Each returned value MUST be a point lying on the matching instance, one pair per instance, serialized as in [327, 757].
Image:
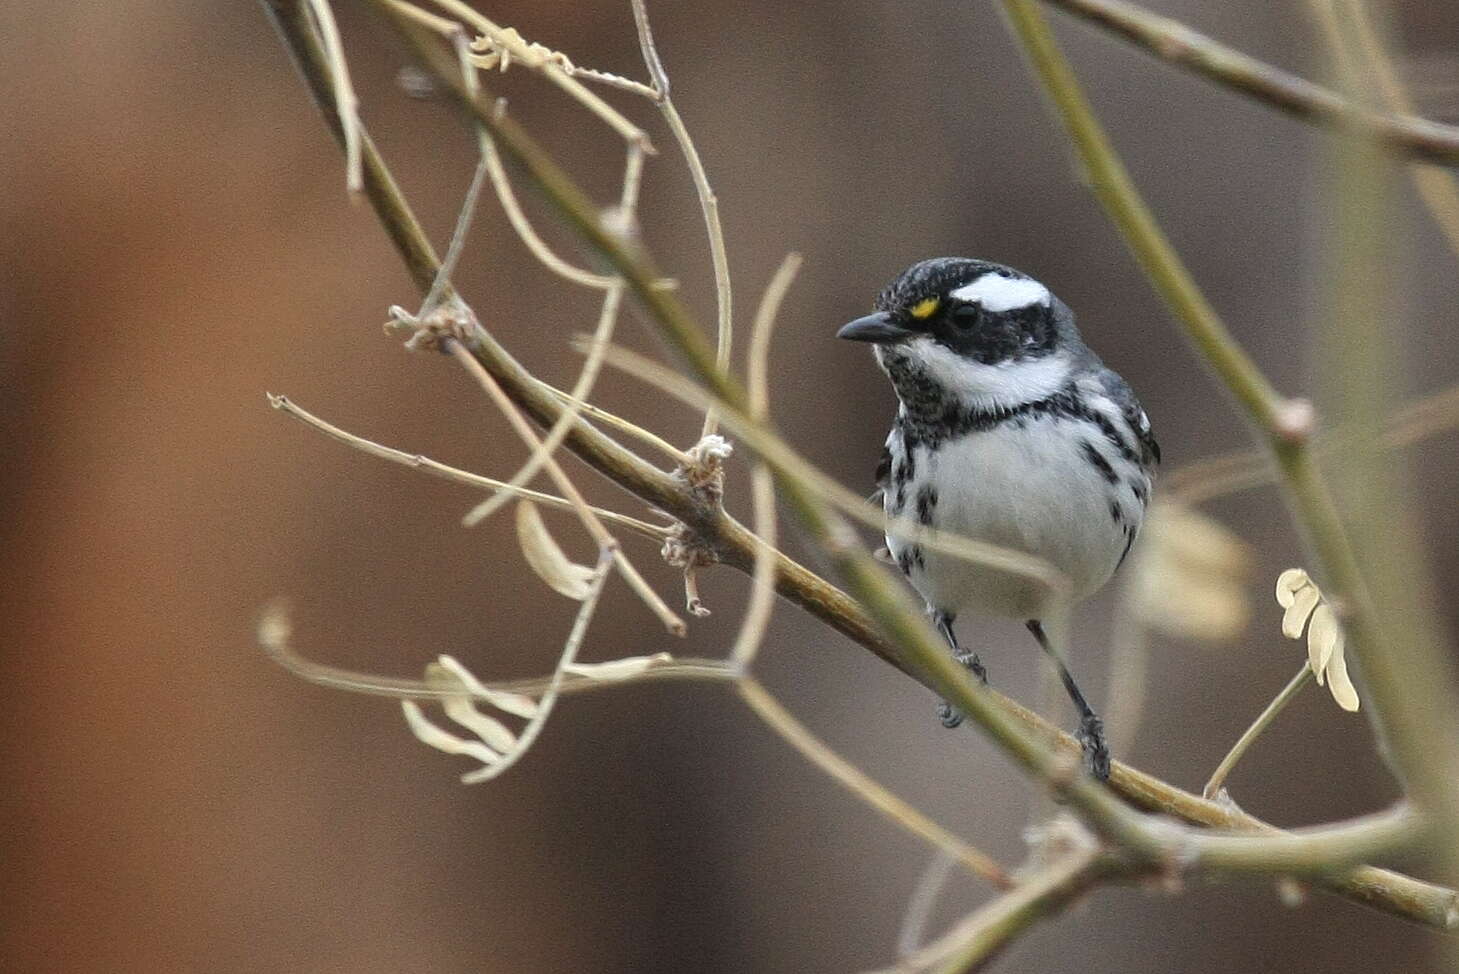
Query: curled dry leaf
[1307, 609]
[1296, 594]
[462, 710]
[1190, 574]
[546, 558]
[432, 736]
[516, 704]
[494, 741]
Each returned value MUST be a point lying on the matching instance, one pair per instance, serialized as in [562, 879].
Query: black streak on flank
[1129, 540]
[1100, 463]
[926, 504]
[911, 556]
[908, 467]
[1117, 514]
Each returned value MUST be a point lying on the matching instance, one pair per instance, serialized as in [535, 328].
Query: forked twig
[288, 407]
[559, 430]
[590, 519]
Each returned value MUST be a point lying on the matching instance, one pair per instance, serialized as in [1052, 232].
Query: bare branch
[1172, 41]
[971, 944]
[289, 408]
[569, 490]
[1258, 726]
[346, 102]
[762, 487]
[580, 391]
[273, 639]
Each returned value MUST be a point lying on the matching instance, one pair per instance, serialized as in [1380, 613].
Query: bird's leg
[950, 716]
[1091, 728]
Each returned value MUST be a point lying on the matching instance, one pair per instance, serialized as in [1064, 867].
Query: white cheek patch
[1002, 385]
[998, 293]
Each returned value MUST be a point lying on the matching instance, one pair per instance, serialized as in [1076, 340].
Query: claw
[971, 661]
[1096, 752]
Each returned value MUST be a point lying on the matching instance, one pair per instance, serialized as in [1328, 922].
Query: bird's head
[985, 334]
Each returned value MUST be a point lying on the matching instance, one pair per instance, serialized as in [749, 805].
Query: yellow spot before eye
[924, 308]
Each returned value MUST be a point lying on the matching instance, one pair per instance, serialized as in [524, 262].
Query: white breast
[1028, 485]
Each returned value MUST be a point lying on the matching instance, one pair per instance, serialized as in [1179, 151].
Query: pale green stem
[1257, 728]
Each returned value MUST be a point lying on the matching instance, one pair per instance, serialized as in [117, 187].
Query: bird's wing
[883, 474]
[1122, 395]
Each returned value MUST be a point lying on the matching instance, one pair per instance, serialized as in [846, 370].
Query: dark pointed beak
[875, 328]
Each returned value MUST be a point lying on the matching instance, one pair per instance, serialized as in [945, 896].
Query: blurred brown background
[178, 241]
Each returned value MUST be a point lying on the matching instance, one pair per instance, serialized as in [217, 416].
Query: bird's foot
[1096, 752]
[971, 661]
[946, 712]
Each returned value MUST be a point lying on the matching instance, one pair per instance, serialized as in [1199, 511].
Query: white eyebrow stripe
[998, 293]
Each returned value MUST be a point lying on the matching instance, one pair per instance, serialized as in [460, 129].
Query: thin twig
[614, 81]
[1184, 47]
[592, 411]
[976, 940]
[1205, 480]
[814, 750]
[762, 486]
[708, 201]
[548, 700]
[285, 405]
[682, 669]
[590, 520]
[346, 102]
[533, 241]
[1258, 726]
[921, 903]
[580, 391]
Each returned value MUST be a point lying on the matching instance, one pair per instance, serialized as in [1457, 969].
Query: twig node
[451, 319]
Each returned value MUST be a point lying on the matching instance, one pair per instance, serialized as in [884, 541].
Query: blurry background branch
[1173, 41]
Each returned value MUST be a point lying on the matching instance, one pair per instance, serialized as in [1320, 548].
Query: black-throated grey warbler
[1011, 431]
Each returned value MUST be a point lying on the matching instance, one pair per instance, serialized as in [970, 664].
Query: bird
[1009, 430]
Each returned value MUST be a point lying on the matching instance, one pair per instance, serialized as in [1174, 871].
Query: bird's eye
[966, 316]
